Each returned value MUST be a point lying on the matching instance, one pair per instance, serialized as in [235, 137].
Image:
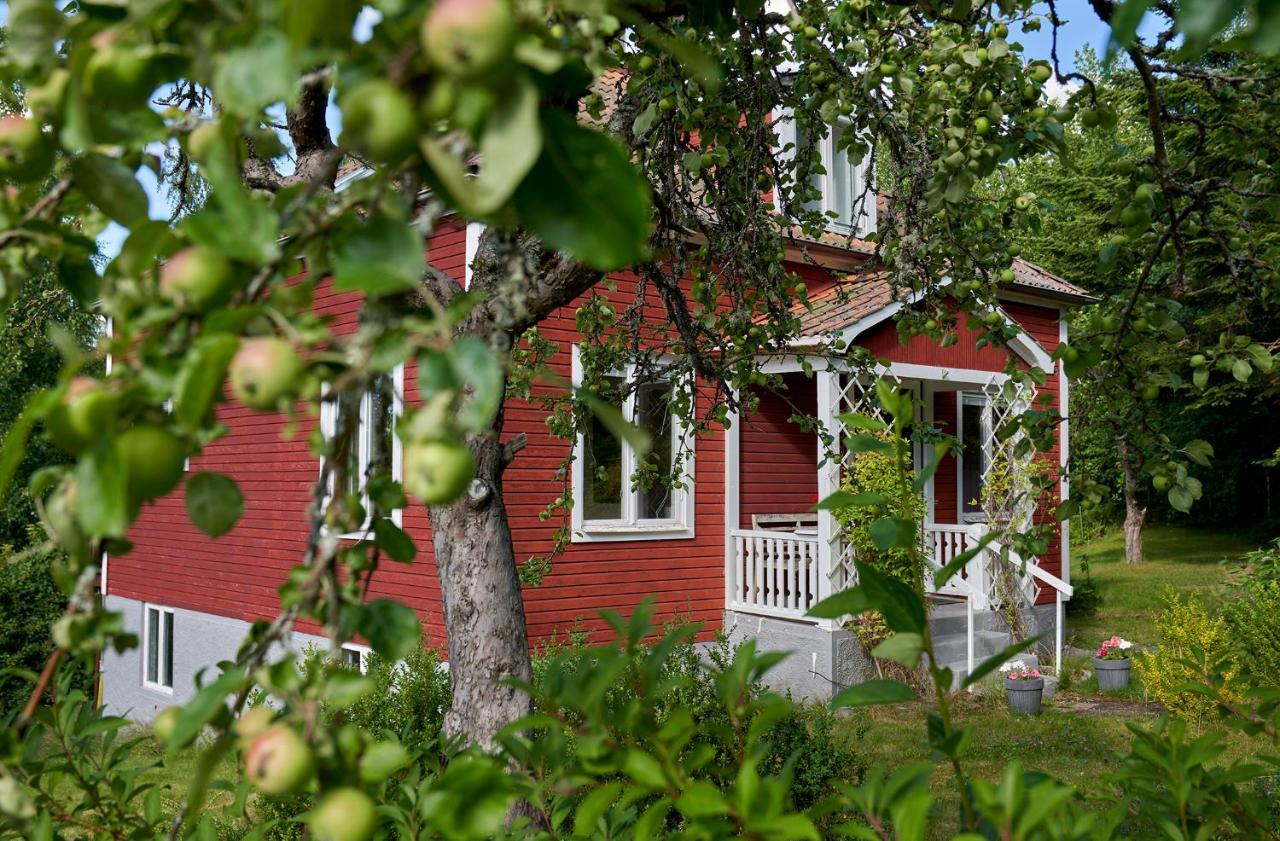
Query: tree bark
[1134, 514]
[483, 605]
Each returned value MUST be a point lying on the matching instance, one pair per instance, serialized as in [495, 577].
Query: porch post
[732, 488]
[828, 473]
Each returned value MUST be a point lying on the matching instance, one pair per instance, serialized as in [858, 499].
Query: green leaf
[345, 686]
[584, 197]
[886, 533]
[1181, 499]
[873, 692]
[201, 709]
[852, 420]
[199, 381]
[391, 628]
[381, 760]
[15, 443]
[850, 602]
[998, 659]
[614, 421]
[111, 186]
[1124, 24]
[214, 503]
[902, 606]
[478, 366]
[702, 800]
[102, 506]
[34, 27]
[378, 257]
[644, 769]
[959, 562]
[1199, 451]
[868, 444]
[592, 808]
[251, 77]
[848, 499]
[1262, 358]
[644, 121]
[249, 231]
[904, 648]
[393, 540]
[1201, 20]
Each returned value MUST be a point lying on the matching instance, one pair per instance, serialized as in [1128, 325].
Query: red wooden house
[738, 548]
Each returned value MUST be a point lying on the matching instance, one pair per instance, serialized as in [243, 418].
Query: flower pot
[1024, 695]
[1113, 675]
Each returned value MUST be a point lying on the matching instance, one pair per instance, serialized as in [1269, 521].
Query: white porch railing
[774, 572]
[943, 542]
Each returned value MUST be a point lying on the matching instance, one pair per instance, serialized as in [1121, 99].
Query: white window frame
[973, 398]
[628, 527]
[863, 211]
[329, 427]
[163, 671]
[362, 652]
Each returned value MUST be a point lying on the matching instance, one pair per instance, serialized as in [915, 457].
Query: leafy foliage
[1188, 634]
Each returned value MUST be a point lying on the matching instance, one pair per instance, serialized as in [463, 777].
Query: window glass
[353, 658]
[153, 645]
[973, 449]
[379, 428]
[653, 415]
[168, 649]
[842, 180]
[602, 473]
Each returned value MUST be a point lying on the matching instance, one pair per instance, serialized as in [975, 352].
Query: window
[839, 183]
[974, 414]
[356, 657]
[157, 648]
[375, 448]
[620, 494]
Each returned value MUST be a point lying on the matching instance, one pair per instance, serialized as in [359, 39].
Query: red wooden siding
[778, 471]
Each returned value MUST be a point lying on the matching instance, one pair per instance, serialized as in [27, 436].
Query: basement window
[157, 648]
[620, 493]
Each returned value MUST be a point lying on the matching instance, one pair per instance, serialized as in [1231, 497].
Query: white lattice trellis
[1009, 498]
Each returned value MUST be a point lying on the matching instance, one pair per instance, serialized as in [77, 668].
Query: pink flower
[1035, 673]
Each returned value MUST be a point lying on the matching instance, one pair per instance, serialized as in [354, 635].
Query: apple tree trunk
[483, 605]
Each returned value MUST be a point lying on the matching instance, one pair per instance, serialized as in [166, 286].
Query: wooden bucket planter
[1024, 695]
[1113, 675]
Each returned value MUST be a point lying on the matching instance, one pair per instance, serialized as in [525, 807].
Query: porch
[782, 558]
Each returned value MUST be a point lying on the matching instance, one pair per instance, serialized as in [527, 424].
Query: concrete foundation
[821, 661]
[200, 641]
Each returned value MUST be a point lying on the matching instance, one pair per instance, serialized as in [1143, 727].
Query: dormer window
[839, 181]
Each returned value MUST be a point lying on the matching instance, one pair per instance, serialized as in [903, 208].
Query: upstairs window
[157, 647]
[974, 413]
[375, 449]
[839, 181]
[620, 493]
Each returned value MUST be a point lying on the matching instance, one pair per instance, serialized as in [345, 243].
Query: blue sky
[1080, 27]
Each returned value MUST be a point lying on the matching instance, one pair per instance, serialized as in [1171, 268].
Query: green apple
[119, 77]
[378, 119]
[153, 458]
[981, 126]
[1160, 483]
[468, 38]
[278, 761]
[264, 371]
[437, 472]
[1007, 276]
[165, 723]
[25, 152]
[197, 279]
[344, 814]
[1198, 360]
[1150, 392]
[1089, 118]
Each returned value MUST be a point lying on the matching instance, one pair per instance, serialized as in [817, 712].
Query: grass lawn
[1186, 559]
[1081, 736]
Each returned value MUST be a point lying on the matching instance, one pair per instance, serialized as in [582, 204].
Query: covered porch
[782, 557]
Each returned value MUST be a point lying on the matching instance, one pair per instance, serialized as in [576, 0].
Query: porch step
[953, 648]
[947, 618]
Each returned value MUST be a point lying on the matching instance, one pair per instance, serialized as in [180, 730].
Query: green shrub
[1254, 616]
[1188, 635]
[29, 603]
[877, 473]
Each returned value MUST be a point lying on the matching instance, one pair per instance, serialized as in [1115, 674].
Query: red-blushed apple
[25, 152]
[344, 814]
[197, 279]
[263, 371]
[437, 472]
[278, 761]
[86, 411]
[152, 457]
[252, 722]
[468, 37]
[378, 119]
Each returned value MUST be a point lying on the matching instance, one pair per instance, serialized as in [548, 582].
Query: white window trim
[328, 427]
[679, 527]
[363, 651]
[962, 515]
[864, 210]
[158, 685]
